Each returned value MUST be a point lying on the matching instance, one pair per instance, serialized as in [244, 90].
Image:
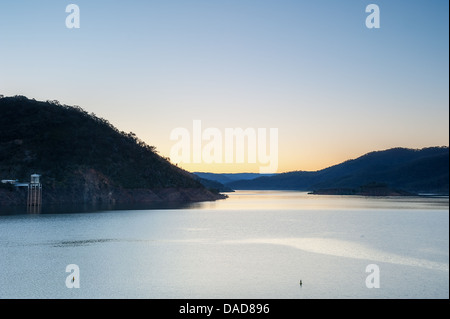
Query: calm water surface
[255, 244]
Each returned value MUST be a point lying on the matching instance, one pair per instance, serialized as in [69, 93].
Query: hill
[225, 178]
[213, 185]
[400, 170]
[84, 159]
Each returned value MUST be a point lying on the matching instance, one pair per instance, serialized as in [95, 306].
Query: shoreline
[111, 197]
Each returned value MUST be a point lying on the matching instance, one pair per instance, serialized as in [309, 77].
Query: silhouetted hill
[213, 185]
[399, 169]
[83, 158]
[225, 178]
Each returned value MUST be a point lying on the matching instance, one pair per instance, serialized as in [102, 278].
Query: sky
[333, 88]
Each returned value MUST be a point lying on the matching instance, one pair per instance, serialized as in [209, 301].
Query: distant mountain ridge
[225, 178]
[84, 159]
[406, 170]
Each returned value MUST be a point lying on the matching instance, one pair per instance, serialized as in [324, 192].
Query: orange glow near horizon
[295, 164]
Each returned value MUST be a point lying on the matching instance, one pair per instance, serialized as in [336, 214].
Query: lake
[255, 244]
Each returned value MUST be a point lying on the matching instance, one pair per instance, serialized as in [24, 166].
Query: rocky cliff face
[91, 187]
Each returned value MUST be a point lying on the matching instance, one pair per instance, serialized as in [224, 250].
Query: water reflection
[254, 200]
[89, 208]
[34, 209]
[251, 245]
[343, 248]
[294, 200]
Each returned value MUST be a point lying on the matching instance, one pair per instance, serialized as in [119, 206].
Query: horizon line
[350, 159]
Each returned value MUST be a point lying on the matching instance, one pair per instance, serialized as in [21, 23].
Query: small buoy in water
[301, 282]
